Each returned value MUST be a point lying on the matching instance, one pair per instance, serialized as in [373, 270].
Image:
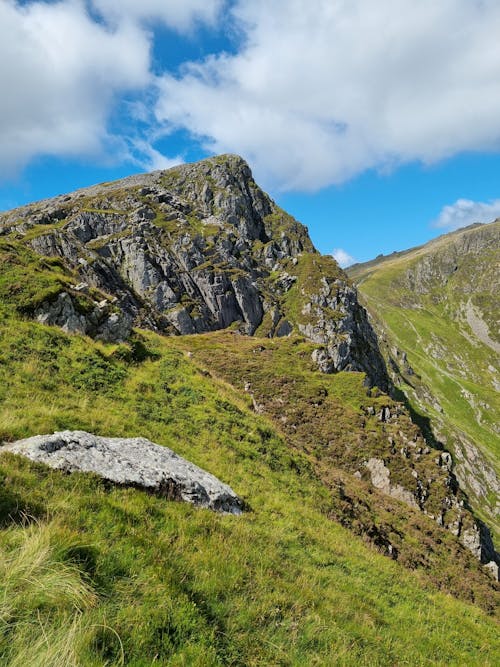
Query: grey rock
[61, 312]
[98, 322]
[286, 281]
[323, 361]
[284, 328]
[348, 338]
[445, 461]
[471, 539]
[380, 478]
[493, 569]
[130, 462]
[182, 321]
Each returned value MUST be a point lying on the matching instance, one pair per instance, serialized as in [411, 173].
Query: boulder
[130, 462]
[99, 321]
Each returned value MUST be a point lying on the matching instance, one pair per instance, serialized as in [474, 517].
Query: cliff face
[195, 249]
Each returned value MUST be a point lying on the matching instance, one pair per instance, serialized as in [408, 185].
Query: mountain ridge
[445, 293]
[196, 248]
[334, 471]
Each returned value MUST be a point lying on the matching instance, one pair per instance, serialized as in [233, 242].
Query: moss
[280, 222]
[311, 269]
[101, 211]
[27, 279]
[101, 242]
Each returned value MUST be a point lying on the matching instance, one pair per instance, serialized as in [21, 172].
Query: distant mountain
[437, 310]
[184, 307]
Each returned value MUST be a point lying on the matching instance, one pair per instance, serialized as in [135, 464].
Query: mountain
[437, 313]
[195, 249]
[186, 308]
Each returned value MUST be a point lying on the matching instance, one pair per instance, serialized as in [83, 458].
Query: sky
[376, 124]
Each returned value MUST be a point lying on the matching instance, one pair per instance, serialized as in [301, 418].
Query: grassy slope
[448, 360]
[92, 574]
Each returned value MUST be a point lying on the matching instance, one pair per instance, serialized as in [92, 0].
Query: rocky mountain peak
[193, 249]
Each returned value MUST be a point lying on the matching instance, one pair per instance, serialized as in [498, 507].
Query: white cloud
[178, 14]
[317, 92]
[64, 73]
[342, 258]
[59, 77]
[147, 157]
[466, 212]
[322, 90]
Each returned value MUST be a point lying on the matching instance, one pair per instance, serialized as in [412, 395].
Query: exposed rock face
[130, 462]
[348, 338]
[195, 249]
[380, 476]
[97, 322]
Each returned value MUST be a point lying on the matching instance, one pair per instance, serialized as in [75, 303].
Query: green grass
[452, 380]
[93, 574]
[282, 584]
[27, 279]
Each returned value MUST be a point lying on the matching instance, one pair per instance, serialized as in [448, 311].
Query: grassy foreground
[91, 574]
[95, 575]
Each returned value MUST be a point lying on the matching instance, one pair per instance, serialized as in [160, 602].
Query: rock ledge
[130, 462]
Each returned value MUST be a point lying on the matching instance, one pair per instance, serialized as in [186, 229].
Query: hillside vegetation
[97, 575]
[437, 308]
[357, 546]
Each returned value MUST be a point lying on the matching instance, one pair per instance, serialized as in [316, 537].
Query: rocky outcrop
[340, 324]
[380, 477]
[130, 462]
[474, 535]
[95, 319]
[194, 249]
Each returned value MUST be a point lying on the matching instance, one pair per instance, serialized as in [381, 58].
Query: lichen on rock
[130, 462]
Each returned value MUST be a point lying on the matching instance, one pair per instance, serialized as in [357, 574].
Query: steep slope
[437, 309]
[334, 474]
[93, 574]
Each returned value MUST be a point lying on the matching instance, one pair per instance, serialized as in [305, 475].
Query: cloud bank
[61, 72]
[313, 93]
[321, 90]
[466, 212]
[64, 73]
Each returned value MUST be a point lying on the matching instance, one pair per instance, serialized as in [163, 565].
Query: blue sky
[375, 124]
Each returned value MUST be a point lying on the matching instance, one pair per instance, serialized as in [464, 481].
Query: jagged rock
[348, 337]
[284, 328]
[194, 249]
[97, 322]
[286, 281]
[130, 462]
[323, 361]
[493, 568]
[445, 461]
[380, 477]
